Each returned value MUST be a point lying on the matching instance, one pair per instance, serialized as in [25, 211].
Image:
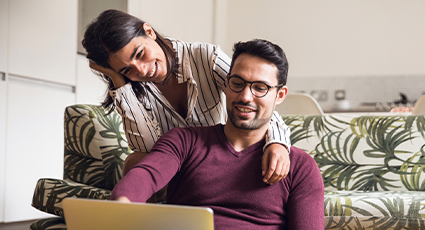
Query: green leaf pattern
[372, 168]
[94, 152]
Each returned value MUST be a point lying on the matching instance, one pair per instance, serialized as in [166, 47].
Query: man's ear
[149, 31]
[281, 94]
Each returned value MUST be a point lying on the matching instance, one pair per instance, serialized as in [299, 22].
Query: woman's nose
[142, 68]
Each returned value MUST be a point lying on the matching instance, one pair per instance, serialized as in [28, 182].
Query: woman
[157, 84]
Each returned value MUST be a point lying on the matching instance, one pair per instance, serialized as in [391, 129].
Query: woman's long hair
[110, 32]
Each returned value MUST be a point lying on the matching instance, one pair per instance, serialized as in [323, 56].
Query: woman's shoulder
[191, 46]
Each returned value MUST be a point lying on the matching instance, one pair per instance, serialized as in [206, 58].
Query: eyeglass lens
[257, 88]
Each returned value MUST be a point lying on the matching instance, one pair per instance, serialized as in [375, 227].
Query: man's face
[246, 111]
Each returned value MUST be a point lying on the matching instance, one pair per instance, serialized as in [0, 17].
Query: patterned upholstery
[372, 167]
[95, 150]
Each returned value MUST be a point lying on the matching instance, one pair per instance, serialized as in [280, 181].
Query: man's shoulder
[301, 157]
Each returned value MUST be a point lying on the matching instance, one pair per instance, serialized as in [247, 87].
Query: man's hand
[275, 164]
[123, 199]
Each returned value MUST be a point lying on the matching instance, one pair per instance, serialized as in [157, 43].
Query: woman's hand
[116, 78]
[275, 163]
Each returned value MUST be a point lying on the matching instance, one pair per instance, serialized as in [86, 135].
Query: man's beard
[254, 124]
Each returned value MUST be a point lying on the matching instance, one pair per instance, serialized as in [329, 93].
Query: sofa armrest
[49, 193]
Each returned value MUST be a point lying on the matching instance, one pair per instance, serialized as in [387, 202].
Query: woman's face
[142, 59]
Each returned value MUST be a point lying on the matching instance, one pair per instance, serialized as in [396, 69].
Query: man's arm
[155, 170]
[305, 206]
[276, 163]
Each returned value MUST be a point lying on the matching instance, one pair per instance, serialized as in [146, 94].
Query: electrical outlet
[323, 95]
[320, 95]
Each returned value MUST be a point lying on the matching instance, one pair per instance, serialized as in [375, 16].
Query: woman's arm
[116, 78]
[140, 125]
[276, 163]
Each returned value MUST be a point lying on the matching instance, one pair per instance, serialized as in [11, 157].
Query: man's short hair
[266, 50]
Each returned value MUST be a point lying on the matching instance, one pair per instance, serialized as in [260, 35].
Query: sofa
[373, 167]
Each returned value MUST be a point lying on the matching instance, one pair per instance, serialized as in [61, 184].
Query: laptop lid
[89, 214]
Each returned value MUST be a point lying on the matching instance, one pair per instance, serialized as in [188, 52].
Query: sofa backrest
[356, 152]
[95, 146]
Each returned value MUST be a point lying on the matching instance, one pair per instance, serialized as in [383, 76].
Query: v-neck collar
[239, 154]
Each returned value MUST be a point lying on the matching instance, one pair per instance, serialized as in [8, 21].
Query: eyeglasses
[258, 88]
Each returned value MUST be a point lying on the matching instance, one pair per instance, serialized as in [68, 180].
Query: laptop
[90, 214]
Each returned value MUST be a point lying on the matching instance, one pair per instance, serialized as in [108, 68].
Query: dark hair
[110, 32]
[266, 50]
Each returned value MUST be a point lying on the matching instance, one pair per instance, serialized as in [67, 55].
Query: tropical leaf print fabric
[94, 152]
[372, 167]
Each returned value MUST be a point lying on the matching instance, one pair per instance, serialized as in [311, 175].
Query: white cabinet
[34, 144]
[3, 95]
[38, 53]
[42, 39]
[3, 35]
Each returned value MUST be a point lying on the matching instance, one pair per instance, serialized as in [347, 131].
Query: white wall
[90, 89]
[336, 38]
[188, 20]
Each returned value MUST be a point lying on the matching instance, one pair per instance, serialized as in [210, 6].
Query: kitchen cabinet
[34, 144]
[3, 65]
[42, 40]
[2, 144]
[3, 36]
[38, 53]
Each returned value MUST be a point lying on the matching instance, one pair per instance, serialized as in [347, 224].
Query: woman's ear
[149, 31]
[281, 94]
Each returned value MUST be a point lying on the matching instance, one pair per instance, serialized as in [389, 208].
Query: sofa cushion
[374, 210]
[49, 193]
[364, 153]
[95, 147]
[53, 223]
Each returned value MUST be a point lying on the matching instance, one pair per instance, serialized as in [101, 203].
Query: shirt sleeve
[221, 66]
[139, 122]
[305, 205]
[278, 132]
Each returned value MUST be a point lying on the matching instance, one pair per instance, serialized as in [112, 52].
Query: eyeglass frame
[251, 83]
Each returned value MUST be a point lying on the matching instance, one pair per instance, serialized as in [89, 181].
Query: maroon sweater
[203, 169]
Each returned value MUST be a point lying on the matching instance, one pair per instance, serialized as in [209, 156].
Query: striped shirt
[204, 67]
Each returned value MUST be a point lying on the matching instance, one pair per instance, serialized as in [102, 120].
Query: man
[218, 166]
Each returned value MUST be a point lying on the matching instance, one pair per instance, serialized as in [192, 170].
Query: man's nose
[246, 94]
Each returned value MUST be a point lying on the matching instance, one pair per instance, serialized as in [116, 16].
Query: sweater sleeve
[305, 206]
[155, 170]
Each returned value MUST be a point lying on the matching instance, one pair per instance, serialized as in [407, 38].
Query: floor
[16, 225]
